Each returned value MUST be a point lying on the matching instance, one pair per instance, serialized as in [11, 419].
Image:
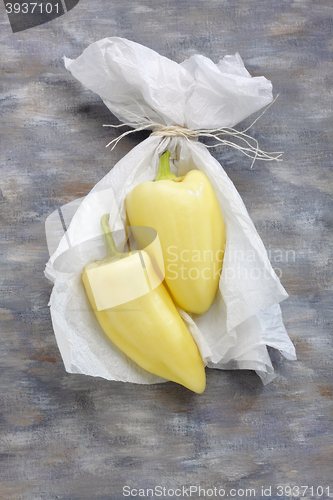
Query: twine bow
[249, 146]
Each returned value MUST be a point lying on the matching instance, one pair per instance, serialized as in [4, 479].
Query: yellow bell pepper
[187, 217]
[136, 312]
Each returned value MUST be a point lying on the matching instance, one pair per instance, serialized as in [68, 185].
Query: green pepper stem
[112, 251]
[164, 169]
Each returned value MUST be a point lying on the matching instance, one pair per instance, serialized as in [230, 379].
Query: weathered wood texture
[74, 437]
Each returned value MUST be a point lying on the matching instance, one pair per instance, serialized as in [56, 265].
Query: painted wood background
[73, 437]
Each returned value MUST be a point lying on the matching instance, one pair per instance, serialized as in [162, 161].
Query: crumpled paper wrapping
[135, 83]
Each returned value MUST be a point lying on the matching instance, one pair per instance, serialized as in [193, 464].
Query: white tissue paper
[136, 83]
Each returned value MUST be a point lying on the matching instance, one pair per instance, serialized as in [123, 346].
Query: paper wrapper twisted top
[194, 94]
[135, 83]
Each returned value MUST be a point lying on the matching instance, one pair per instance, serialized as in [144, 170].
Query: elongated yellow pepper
[148, 328]
[186, 215]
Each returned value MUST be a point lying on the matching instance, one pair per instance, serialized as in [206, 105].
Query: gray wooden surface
[73, 437]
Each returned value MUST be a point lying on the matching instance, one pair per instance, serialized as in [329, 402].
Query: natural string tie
[248, 144]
